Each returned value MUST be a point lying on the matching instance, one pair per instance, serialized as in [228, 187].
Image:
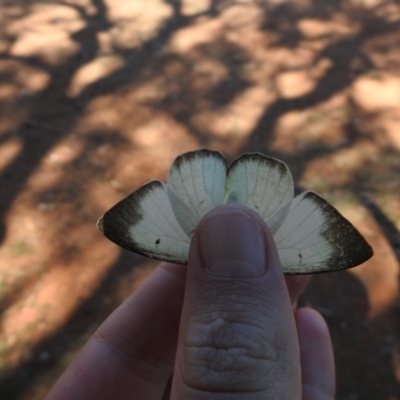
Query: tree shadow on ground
[343, 301]
[348, 60]
[48, 354]
[57, 112]
[54, 114]
[388, 228]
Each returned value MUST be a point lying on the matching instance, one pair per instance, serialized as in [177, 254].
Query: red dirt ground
[99, 96]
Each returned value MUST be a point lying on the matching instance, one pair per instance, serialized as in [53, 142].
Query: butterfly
[159, 219]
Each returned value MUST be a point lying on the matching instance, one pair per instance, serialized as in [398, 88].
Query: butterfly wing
[263, 184]
[145, 223]
[315, 237]
[196, 184]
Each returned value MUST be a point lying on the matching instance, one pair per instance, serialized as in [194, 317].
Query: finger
[131, 355]
[296, 284]
[167, 392]
[237, 336]
[316, 355]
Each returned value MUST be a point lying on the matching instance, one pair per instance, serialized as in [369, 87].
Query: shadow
[52, 117]
[190, 90]
[347, 59]
[360, 343]
[388, 228]
[57, 111]
[49, 353]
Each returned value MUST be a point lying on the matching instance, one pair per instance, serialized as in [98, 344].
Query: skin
[224, 327]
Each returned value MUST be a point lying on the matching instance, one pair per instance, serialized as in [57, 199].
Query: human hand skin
[224, 326]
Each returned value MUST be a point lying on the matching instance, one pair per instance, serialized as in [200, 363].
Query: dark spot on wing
[157, 241]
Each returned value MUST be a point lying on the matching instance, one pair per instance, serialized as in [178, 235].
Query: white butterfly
[159, 219]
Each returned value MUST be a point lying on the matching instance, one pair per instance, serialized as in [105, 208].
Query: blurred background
[98, 97]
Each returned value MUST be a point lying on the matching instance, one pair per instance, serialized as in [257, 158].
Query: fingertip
[235, 232]
[178, 270]
[296, 284]
[312, 321]
[316, 355]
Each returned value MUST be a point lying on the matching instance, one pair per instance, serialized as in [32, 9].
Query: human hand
[232, 308]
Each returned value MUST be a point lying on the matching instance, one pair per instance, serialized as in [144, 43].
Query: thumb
[237, 336]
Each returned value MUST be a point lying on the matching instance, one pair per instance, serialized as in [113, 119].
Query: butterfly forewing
[315, 237]
[145, 223]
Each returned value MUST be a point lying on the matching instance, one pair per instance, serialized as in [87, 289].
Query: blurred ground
[99, 96]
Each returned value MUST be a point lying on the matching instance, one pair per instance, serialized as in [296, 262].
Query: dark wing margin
[316, 238]
[350, 247]
[144, 223]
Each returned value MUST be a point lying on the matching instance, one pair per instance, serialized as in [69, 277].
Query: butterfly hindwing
[261, 183]
[196, 184]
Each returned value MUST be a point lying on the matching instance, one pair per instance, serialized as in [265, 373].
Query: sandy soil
[99, 96]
